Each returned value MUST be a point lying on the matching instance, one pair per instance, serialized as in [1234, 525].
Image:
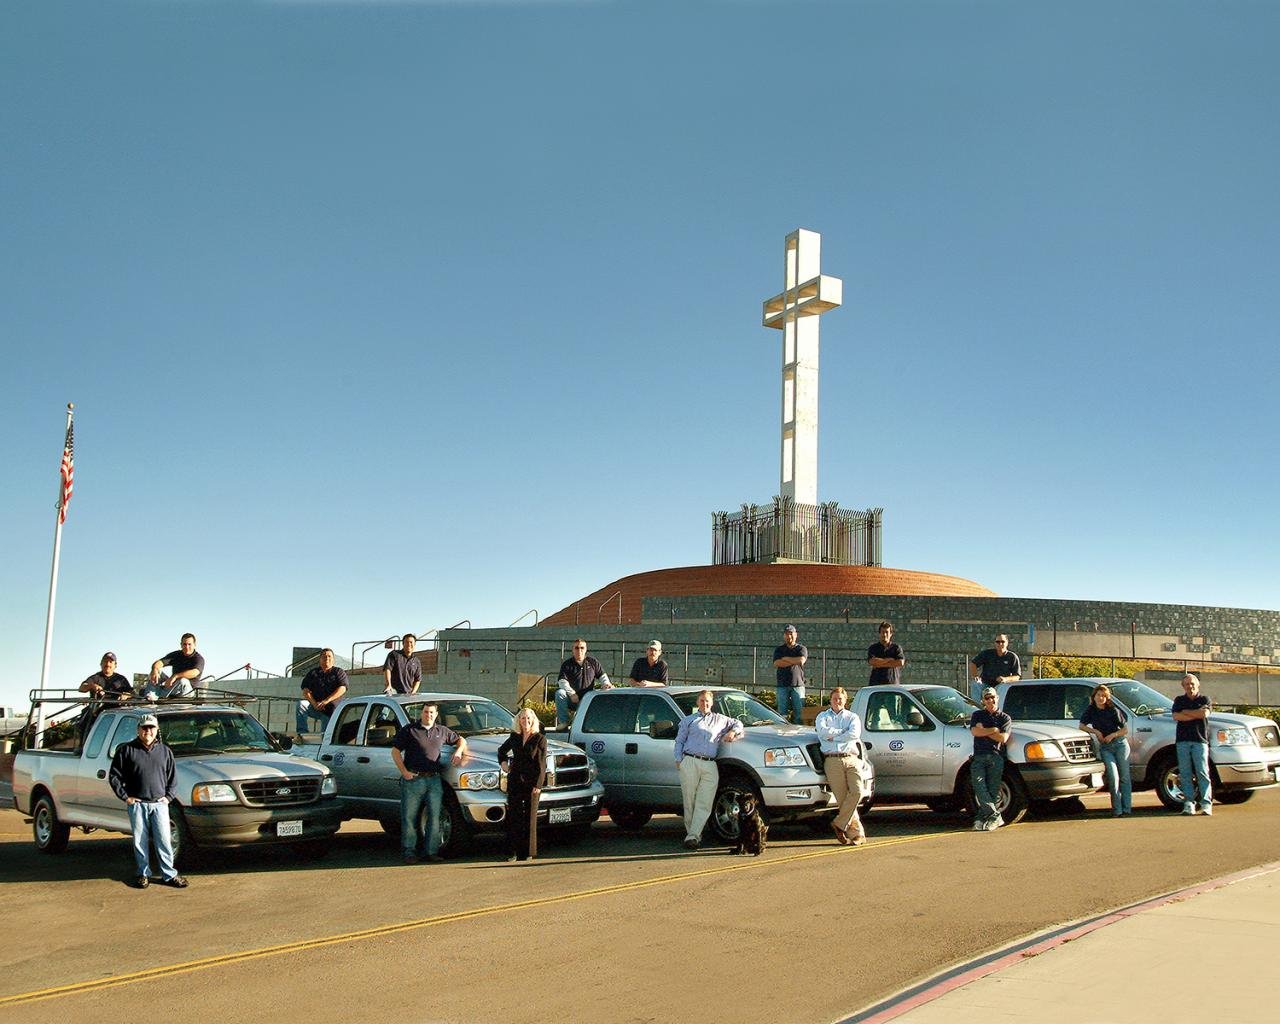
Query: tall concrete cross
[806, 294]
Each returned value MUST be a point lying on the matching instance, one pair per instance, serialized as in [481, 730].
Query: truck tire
[185, 851]
[723, 823]
[1164, 775]
[456, 833]
[630, 819]
[1012, 801]
[50, 834]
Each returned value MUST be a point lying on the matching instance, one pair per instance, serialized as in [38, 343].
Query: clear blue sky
[378, 316]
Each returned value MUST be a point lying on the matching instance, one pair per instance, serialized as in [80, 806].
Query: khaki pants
[844, 776]
[698, 782]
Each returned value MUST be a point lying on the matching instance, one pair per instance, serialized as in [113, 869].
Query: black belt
[850, 754]
[699, 757]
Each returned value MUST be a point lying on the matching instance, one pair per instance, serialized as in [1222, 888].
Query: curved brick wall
[700, 580]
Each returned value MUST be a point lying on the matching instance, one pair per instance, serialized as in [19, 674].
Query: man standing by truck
[144, 776]
[994, 666]
[698, 742]
[788, 659]
[1191, 712]
[885, 658]
[840, 731]
[989, 727]
[416, 753]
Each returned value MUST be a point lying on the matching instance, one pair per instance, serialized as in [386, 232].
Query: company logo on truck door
[895, 745]
[597, 747]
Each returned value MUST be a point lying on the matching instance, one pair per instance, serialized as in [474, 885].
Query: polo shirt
[115, 684]
[992, 665]
[643, 672]
[885, 675]
[1192, 732]
[420, 747]
[792, 675]
[179, 662]
[324, 684]
[1105, 720]
[992, 720]
[581, 678]
[406, 670]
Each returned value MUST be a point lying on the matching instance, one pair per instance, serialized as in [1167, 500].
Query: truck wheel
[185, 851]
[943, 805]
[1167, 785]
[1234, 796]
[50, 834]
[630, 819]
[723, 823]
[1012, 801]
[456, 832]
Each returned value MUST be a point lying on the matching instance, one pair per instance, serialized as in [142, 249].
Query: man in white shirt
[840, 733]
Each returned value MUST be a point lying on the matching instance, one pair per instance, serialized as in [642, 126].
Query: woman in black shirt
[1104, 720]
[523, 757]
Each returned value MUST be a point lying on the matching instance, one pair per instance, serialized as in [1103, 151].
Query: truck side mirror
[662, 730]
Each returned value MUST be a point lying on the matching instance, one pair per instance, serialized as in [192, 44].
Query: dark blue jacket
[144, 774]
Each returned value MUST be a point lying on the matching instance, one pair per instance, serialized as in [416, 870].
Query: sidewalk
[1206, 953]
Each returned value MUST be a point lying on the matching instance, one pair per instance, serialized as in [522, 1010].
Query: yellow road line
[226, 959]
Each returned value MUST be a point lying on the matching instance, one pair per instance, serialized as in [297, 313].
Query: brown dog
[753, 833]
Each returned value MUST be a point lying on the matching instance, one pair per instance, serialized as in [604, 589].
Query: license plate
[1095, 780]
[561, 815]
[288, 828]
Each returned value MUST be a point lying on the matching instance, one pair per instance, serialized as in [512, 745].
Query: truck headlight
[1044, 750]
[593, 771]
[1233, 737]
[478, 780]
[784, 757]
[214, 793]
[329, 787]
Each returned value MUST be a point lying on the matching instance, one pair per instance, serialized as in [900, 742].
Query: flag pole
[53, 586]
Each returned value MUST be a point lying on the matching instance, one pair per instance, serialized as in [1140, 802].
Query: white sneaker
[1188, 809]
[999, 821]
[977, 826]
[1207, 811]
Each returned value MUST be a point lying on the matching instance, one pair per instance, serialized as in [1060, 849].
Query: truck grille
[567, 771]
[280, 792]
[1268, 735]
[1078, 749]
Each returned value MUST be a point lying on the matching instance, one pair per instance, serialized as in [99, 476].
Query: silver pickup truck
[631, 733]
[1244, 751]
[236, 785]
[918, 738]
[357, 747]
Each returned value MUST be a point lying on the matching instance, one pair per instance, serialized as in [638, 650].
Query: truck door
[99, 804]
[371, 774]
[338, 750]
[904, 743]
[608, 728]
[651, 774]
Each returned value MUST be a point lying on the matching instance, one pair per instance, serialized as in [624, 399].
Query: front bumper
[1054, 779]
[806, 794]
[1248, 775]
[487, 809]
[236, 825]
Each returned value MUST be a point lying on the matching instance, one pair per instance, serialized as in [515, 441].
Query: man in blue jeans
[416, 752]
[789, 659]
[1191, 712]
[990, 730]
[144, 776]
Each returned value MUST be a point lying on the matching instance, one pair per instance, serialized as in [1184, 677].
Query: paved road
[624, 928]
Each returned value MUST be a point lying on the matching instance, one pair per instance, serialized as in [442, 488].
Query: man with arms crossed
[885, 658]
[1191, 712]
[990, 730]
[789, 659]
[840, 731]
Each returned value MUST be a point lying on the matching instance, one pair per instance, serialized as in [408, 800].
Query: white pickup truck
[356, 746]
[1244, 751]
[236, 785]
[919, 741]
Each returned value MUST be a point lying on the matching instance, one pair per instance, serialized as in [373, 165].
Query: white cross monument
[807, 293]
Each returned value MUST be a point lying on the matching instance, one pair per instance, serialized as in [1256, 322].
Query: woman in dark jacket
[523, 756]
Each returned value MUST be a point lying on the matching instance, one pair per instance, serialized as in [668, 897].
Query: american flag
[68, 472]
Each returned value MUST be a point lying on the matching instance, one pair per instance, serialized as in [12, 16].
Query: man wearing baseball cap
[650, 670]
[789, 659]
[107, 686]
[144, 776]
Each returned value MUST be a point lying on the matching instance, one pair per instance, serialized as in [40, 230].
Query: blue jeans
[1115, 760]
[791, 703]
[1193, 762]
[418, 795]
[307, 714]
[150, 822]
[563, 707]
[985, 772]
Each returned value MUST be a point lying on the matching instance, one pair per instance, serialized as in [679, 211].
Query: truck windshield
[735, 704]
[468, 717]
[1140, 698]
[945, 704]
[220, 732]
